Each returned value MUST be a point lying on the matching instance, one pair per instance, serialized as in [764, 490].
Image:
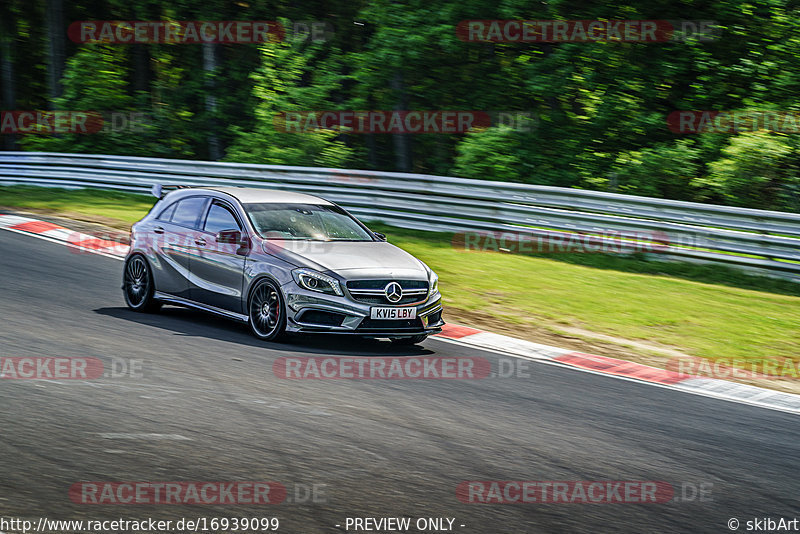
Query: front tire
[413, 340]
[138, 287]
[266, 311]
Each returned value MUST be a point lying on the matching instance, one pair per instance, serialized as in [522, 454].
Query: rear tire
[266, 311]
[138, 287]
[413, 340]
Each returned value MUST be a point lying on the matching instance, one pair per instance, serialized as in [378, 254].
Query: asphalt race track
[208, 407]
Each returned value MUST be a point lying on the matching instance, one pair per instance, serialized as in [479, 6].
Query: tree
[95, 80]
[756, 170]
[286, 82]
[664, 171]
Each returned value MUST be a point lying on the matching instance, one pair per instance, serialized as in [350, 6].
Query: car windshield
[308, 222]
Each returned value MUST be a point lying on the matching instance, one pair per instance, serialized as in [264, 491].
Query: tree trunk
[56, 46]
[8, 99]
[372, 152]
[141, 66]
[402, 144]
[209, 66]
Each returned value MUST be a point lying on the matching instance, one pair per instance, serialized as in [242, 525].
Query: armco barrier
[766, 241]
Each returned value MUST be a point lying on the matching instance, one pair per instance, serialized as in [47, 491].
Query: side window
[189, 211]
[220, 218]
[166, 214]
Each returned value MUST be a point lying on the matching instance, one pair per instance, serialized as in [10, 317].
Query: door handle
[158, 230]
[200, 242]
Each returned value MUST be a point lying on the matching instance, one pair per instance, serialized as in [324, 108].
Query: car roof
[257, 195]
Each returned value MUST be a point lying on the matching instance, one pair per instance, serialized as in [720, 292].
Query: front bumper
[310, 311]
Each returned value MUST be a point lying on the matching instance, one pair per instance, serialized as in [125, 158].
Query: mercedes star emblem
[394, 292]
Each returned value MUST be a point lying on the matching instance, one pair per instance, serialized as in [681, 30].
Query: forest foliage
[595, 112]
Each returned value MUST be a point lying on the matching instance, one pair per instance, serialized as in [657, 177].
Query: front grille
[372, 291]
[380, 284]
[393, 325]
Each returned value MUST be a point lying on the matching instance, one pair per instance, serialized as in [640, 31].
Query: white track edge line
[62, 242]
[674, 387]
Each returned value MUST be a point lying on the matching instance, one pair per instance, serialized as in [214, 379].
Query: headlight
[314, 281]
[433, 282]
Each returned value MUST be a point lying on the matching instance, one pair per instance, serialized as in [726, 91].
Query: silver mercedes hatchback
[279, 261]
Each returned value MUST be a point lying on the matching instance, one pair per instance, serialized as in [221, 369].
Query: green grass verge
[721, 313]
[125, 207]
[708, 311]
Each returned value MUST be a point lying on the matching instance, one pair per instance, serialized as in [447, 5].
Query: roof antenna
[156, 191]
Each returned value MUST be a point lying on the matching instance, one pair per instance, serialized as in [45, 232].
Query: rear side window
[188, 211]
[166, 214]
[220, 218]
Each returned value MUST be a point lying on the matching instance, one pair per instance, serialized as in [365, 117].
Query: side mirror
[229, 237]
[380, 236]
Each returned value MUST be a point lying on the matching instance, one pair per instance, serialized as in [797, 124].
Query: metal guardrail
[766, 241]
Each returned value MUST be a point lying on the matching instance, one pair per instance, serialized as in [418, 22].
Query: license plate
[393, 313]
